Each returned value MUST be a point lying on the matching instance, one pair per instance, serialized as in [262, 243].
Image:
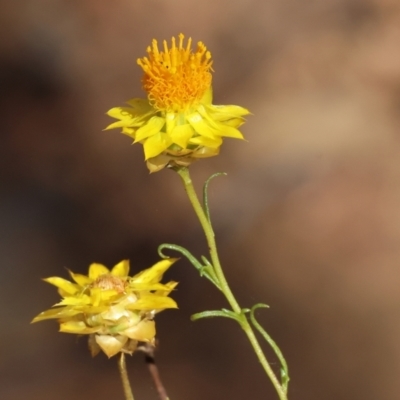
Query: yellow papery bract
[155, 273]
[207, 142]
[221, 113]
[104, 295]
[66, 286]
[56, 313]
[115, 313]
[181, 135]
[205, 152]
[111, 345]
[153, 126]
[141, 286]
[124, 114]
[178, 112]
[153, 302]
[122, 124]
[140, 106]
[74, 301]
[77, 327]
[95, 270]
[169, 287]
[156, 144]
[200, 126]
[121, 269]
[129, 131]
[144, 331]
[81, 280]
[116, 310]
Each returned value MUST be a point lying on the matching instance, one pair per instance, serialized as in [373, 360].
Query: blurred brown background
[307, 220]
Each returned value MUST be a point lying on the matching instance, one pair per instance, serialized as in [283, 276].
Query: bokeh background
[307, 219]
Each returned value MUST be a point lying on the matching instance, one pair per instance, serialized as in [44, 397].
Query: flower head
[177, 123]
[116, 310]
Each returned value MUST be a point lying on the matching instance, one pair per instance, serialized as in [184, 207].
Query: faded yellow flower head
[177, 123]
[116, 310]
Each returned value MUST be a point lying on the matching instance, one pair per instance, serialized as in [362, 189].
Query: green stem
[209, 233]
[124, 376]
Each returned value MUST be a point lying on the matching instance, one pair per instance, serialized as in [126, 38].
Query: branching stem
[223, 284]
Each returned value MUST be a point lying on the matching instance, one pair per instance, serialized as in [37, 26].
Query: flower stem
[210, 237]
[153, 369]
[124, 376]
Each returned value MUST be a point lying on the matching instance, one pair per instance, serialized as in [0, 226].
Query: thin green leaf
[210, 269]
[205, 194]
[205, 270]
[284, 370]
[216, 313]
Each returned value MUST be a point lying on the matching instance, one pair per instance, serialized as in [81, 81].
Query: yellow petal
[200, 125]
[205, 152]
[229, 131]
[155, 273]
[155, 164]
[222, 113]
[93, 346]
[56, 313]
[144, 331]
[100, 296]
[139, 110]
[145, 286]
[111, 345]
[181, 135]
[169, 287]
[96, 270]
[153, 126]
[78, 327]
[121, 113]
[156, 144]
[140, 106]
[81, 280]
[121, 269]
[153, 302]
[129, 131]
[235, 122]
[204, 141]
[125, 123]
[131, 346]
[74, 301]
[207, 97]
[170, 121]
[219, 128]
[115, 313]
[91, 309]
[67, 286]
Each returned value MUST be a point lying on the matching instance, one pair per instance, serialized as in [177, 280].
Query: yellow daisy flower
[177, 123]
[116, 310]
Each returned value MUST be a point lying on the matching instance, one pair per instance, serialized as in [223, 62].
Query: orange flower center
[176, 78]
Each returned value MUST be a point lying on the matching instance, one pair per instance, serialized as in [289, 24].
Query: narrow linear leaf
[205, 270]
[195, 262]
[215, 313]
[284, 370]
[205, 194]
[210, 270]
